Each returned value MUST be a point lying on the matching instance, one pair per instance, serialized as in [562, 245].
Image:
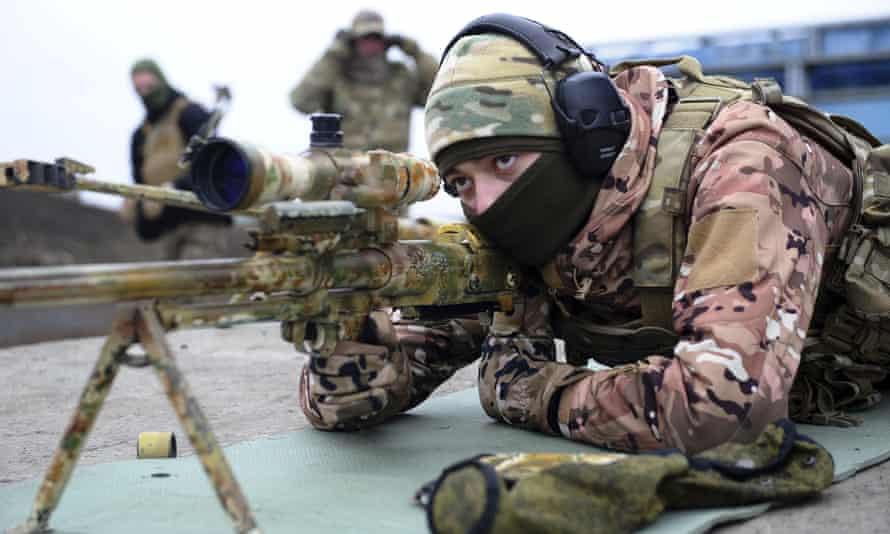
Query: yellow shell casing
[156, 445]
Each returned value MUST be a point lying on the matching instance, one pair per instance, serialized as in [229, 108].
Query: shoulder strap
[657, 253]
[178, 107]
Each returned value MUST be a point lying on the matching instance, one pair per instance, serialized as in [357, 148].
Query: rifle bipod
[138, 325]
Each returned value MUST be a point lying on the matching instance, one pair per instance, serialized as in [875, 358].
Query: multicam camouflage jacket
[764, 204]
[375, 115]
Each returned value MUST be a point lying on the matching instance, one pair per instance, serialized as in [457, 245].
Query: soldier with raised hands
[680, 239]
[374, 94]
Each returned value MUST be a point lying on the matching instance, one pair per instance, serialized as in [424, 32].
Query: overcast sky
[65, 64]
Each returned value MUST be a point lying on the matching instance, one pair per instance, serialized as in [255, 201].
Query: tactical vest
[848, 347]
[162, 146]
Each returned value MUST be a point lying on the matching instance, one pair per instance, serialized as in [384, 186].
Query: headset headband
[551, 46]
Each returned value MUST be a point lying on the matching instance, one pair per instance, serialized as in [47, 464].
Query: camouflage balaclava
[155, 100]
[489, 98]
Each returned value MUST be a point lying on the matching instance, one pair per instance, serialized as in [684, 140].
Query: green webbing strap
[657, 253]
[688, 65]
[657, 306]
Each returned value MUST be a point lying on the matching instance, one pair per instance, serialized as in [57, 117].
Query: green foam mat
[309, 481]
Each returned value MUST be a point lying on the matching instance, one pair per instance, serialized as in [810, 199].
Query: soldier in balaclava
[747, 206]
[374, 94]
[171, 119]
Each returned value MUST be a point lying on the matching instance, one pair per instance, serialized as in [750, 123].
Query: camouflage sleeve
[427, 65]
[742, 305]
[313, 93]
[437, 350]
[518, 372]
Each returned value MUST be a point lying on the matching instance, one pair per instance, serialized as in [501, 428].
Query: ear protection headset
[593, 120]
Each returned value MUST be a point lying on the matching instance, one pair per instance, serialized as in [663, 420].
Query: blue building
[839, 68]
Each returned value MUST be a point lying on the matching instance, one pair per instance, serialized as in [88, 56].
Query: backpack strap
[684, 64]
[657, 253]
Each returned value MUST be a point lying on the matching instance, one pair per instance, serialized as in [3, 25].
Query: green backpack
[847, 352]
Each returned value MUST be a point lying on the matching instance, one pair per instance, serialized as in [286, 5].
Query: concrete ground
[245, 379]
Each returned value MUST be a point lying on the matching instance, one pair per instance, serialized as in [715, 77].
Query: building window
[846, 41]
[852, 75]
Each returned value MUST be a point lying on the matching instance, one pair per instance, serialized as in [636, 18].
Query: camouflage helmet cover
[367, 22]
[491, 85]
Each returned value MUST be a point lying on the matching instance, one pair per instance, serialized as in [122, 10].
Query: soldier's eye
[458, 185]
[504, 162]
[462, 183]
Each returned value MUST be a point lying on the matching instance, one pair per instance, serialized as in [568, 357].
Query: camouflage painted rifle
[326, 254]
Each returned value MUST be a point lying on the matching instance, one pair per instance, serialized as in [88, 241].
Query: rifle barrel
[92, 284]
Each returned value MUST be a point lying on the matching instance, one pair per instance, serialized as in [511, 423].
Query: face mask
[157, 98]
[541, 212]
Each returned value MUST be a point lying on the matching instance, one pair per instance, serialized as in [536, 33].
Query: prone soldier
[681, 240]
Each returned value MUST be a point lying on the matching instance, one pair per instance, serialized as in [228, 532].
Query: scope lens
[230, 176]
[221, 175]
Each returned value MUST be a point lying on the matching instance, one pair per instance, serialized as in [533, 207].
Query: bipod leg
[130, 326]
[151, 334]
[122, 335]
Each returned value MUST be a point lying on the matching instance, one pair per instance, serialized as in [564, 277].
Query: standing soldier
[374, 95]
[156, 147]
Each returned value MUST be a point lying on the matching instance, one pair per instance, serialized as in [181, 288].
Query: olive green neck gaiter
[155, 101]
[541, 212]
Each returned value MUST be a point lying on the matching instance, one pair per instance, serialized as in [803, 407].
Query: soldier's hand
[151, 210]
[127, 211]
[407, 44]
[341, 46]
[363, 383]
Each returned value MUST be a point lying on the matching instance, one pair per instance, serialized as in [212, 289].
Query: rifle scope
[228, 175]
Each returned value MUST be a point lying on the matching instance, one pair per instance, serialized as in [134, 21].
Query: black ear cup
[593, 120]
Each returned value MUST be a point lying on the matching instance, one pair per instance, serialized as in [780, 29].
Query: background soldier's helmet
[490, 85]
[367, 22]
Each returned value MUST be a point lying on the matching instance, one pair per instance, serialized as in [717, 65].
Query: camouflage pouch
[866, 249]
[829, 386]
[841, 371]
[592, 493]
